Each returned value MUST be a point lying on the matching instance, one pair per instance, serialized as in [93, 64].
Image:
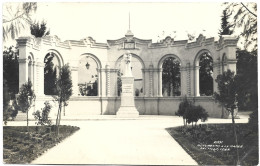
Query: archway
[204, 74]
[171, 76]
[137, 66]
[88, 75]
[224, 62]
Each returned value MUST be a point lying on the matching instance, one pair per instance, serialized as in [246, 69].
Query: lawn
[213, 144]
[20, 148]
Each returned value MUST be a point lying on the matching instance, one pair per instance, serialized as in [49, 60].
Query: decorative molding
[23, 60]
[226, 41]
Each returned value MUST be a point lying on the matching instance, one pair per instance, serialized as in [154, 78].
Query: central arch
[137, 66]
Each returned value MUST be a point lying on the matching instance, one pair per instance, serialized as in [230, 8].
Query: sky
[108, 21]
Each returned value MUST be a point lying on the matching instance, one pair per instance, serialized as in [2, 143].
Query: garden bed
[19, 147]
[213, 144]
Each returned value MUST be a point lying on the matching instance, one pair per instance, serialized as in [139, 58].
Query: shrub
[43, 117]
[191, 113]
[196, 113]
[184, 107]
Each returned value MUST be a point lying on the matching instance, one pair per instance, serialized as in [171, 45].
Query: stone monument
[127, 108]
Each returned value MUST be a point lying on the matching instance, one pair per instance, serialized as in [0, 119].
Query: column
[23, 71]
[160, 82]
[107, 80]
[103, 82]
[188, 71]
[151, 81]
[74, 77]
[99, 82]
[183, 81]
[216, 72]
[34, 76]
[155, 82]
[143, 76]
[40, 77]
[197, 81]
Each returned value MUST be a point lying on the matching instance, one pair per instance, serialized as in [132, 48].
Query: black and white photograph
[130, 83]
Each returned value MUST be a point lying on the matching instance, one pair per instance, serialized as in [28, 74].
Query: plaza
[108, 140]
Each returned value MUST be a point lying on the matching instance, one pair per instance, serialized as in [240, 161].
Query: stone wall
[83, 106]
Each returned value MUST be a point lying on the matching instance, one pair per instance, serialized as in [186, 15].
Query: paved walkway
[111, 141]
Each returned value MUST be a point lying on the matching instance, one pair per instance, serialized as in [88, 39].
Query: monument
[127, 108]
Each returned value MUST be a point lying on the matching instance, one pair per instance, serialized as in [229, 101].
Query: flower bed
[19, 147]
[214, 144]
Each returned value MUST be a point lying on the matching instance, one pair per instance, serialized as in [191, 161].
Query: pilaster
[74, 77]
[23, 71]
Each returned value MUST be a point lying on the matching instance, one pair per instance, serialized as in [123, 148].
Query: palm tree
[15, 17]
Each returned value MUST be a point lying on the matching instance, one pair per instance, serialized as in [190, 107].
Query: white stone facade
[32, 52]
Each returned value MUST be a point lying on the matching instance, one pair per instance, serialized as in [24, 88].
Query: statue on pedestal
[127, 108]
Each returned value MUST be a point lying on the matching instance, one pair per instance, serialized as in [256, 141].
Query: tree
[227, 96]
[25, 99]
[39, 30]
[43, 117]
[247, 80]
[64, 91]
[11, 70]
[225, 26]
[6, 101]
[50, 76]
[14, 20]
[171, 76]
[244, 21]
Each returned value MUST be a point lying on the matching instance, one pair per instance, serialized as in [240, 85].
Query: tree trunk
[60, 114]
[57, 120]
[235, 135]
[27, 121]
[64, 109]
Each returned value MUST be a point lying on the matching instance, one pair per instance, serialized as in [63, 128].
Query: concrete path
[111, 141]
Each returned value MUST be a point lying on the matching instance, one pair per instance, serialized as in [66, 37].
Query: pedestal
[127, 108]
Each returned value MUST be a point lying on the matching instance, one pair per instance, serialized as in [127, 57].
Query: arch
[139, 78]
[199, 54]
[198, 71]
[162, 84]
[133, 55]
[160, 63]
[95, 58]
[31, 56]
[89, 88]
[57, 55]
[51, 71]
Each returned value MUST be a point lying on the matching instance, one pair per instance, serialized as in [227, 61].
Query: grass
[212, 144]
[19, 147]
